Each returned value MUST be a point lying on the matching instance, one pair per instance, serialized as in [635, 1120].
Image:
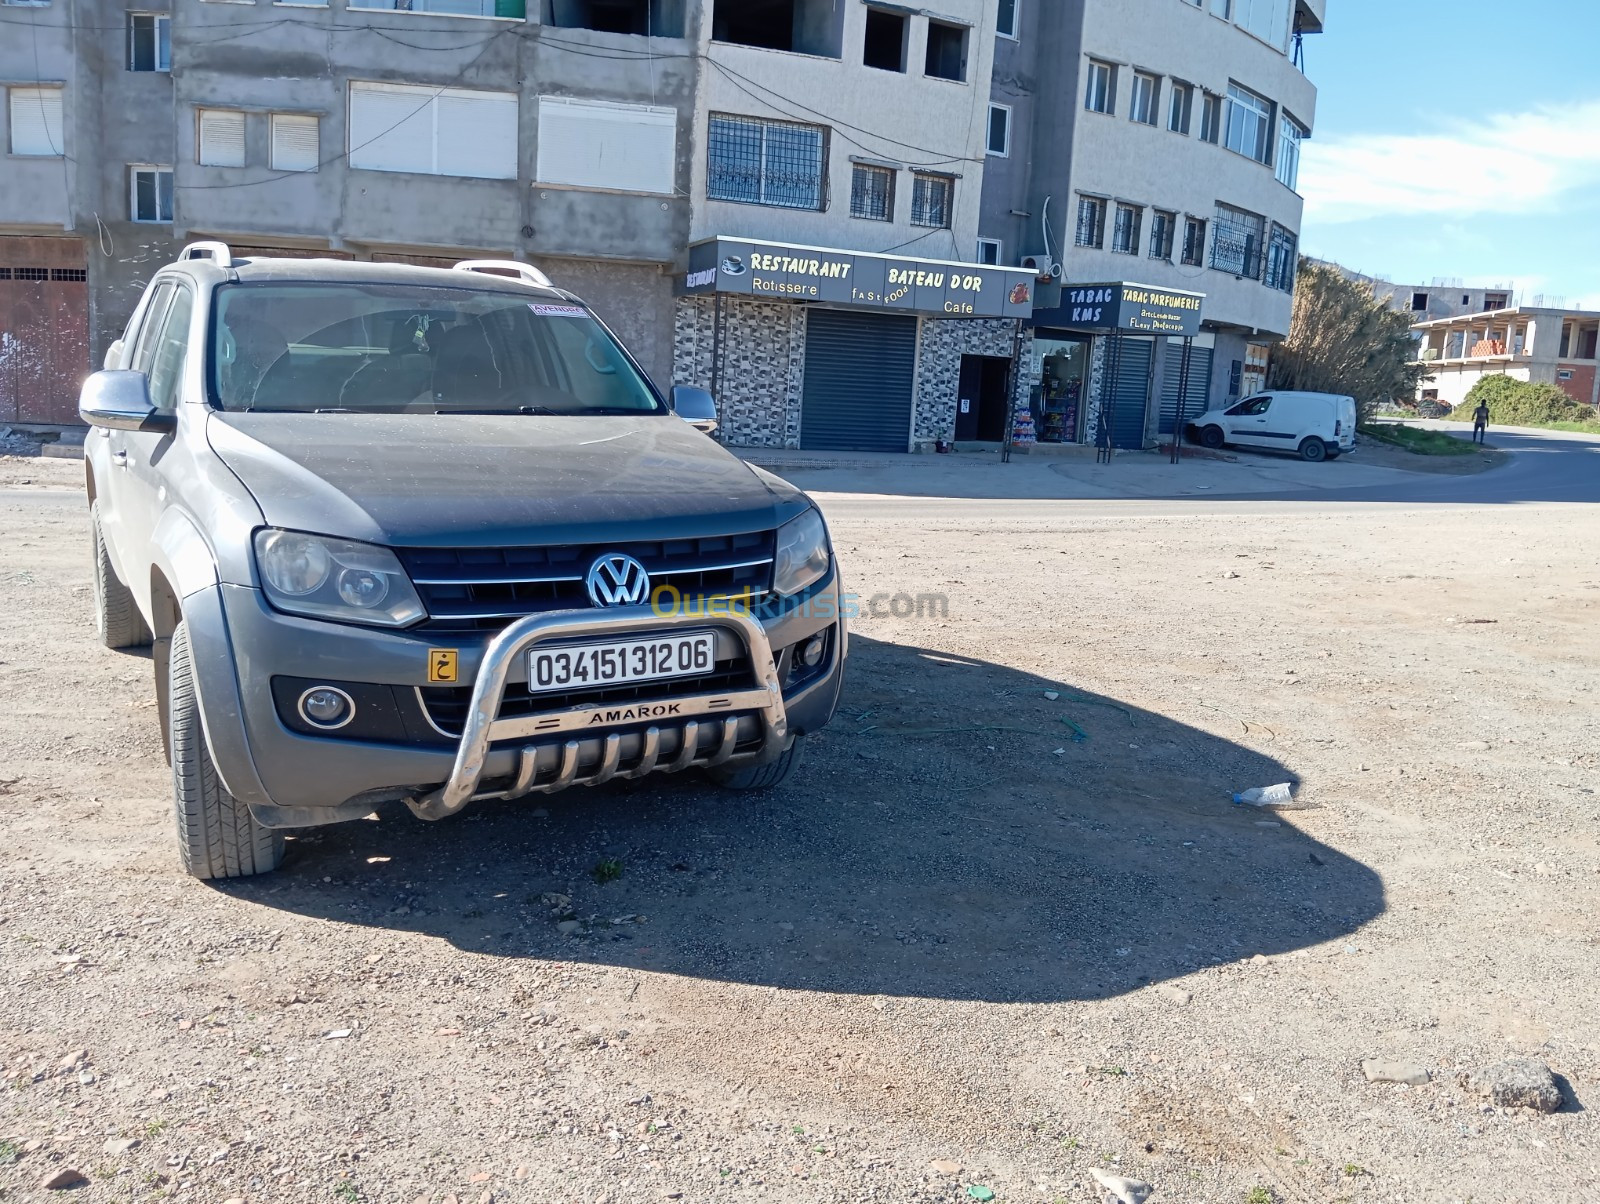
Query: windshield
[392, 349]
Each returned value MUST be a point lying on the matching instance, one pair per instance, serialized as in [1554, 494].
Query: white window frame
[55, 137]
[134, 170]
[988, 139]
[1290, 136]
[272, 140]
[1150, 113]
[1212, 111]
[200, 149]
[1162, 248]
[161, 20]
[1255, 112]
[858, 170]
[934, 179]
[1135, 228]
[1015, 32]
[1100, 71]
[1180, 103]
[999, 251]
[1099, 232]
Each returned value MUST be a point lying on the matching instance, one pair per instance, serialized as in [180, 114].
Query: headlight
[802, 553]
[335, 579]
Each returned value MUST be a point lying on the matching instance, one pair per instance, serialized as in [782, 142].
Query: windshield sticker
[558, 311]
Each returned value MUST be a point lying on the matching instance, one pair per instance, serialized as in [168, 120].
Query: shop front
[1108, 362]
[836, 350]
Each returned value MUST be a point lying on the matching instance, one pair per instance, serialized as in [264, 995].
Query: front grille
[447, 705]
[483, 589]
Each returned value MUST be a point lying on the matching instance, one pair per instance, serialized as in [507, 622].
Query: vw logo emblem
[617, 580]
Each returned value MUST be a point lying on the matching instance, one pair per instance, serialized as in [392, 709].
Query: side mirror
[121, 401]
[695, 406]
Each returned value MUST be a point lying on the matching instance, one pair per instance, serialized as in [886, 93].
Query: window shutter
[221, 138]
[391, 128]
[477, 134]
[36, 122]
[296, 144]
[589, 144]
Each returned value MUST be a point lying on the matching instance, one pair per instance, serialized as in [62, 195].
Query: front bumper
[291, 778]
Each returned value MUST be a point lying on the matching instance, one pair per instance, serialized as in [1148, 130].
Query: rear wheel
[1211, 437]
[759, 777]
[116, 615]
[217, 835]
[1313, 451]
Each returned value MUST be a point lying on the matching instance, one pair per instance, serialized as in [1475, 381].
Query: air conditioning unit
[1042, 267]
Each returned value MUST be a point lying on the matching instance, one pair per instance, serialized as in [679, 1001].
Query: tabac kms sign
[1133, 308]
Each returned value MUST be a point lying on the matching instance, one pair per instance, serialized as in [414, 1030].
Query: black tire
[217, 835]
[759, 777]
[1211, 436]
[116, 615]
[1313, 451]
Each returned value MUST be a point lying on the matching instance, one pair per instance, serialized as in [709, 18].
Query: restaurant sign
[1131, 308]
[885, 282]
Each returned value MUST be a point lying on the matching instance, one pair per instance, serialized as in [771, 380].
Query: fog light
[811, 654]
[327, 707]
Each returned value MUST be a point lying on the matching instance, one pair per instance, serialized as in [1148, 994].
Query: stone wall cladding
[763, 366]
[943, 342]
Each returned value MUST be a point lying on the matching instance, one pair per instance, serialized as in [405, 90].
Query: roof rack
[527, 271]
[217, 252]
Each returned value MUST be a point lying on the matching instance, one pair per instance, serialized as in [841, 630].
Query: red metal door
[44, 329]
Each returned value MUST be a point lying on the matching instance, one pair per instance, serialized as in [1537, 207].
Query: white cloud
[1512, 163]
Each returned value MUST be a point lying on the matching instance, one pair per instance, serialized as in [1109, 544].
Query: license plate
[620, 662]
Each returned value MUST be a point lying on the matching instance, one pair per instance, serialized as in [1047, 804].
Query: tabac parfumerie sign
[1137, 308]
[887, 282]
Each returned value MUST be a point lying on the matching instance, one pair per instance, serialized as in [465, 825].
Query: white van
[1315, 426]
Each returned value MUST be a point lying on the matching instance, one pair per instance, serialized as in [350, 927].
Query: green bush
[1515, 402]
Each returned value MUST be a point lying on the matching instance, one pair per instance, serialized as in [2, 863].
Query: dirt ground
[988, 940]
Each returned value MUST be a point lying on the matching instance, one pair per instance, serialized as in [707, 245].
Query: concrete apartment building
[1443, 298]
[810, 206]
[1549, 346]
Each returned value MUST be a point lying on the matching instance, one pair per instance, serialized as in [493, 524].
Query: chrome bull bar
[690, 716]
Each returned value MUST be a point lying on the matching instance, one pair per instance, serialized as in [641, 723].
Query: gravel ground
[988, 941]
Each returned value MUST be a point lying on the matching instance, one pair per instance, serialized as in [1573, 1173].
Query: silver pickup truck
[432, 535]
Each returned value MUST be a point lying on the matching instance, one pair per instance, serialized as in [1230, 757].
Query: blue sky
[1458, 139]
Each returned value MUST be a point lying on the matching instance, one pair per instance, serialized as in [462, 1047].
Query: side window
[172, 350]
[1250, 407]
[155, 313]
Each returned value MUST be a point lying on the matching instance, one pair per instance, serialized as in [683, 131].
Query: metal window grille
[757, 162]
[1161, 232]
[1281, 260]
[930, 201]
[77, 275]
[1194, 242]
[1125, 233]
[1236, 246]
[872, 193]
[30, 273]
[1091, 222]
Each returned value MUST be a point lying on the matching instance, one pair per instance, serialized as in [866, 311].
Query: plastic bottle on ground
[1266, 796]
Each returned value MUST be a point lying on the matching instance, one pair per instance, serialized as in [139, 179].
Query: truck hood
[422, 480]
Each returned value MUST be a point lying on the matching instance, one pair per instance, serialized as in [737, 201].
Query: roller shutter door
[1132, 395]
[1198, 395]
[860, 376]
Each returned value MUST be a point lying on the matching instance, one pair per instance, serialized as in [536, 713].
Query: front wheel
[772, 774]
[1211, 437]
[217, 835]
[1313, 451]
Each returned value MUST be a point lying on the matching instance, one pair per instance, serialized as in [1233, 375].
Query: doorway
[981, 404]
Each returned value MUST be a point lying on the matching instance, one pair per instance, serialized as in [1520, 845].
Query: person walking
[1480, 422]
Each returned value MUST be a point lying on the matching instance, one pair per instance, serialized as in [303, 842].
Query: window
[1006, 23]
[1222, 8]
[221, 141]
[1237, 246]
[1101, 96]
[446, 8]
[149, 42]
[990, 250]
[599, 144]
[1290, 134]
[885, 46]
[1249, 119]
[433, 131]
[1496, 300]
[171, 351]
[36, 122]
[1211, 119]
[947, 51]
[638, 17]
[1266, 19]
[1163, 228]
[1091, 222]
[1125, 231]
[872, 193]
[766, 162]
[150, 193]
[931, 200]
[1180, 108]
[1146, 88]
[1000, 130]
[149, 342]
[296, 142]
[1194, 242]
[1253, 408]
[1419, 303]
[1282, 253]
[799, 26]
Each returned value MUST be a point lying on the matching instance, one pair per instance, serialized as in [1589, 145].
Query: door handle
[120, 459]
